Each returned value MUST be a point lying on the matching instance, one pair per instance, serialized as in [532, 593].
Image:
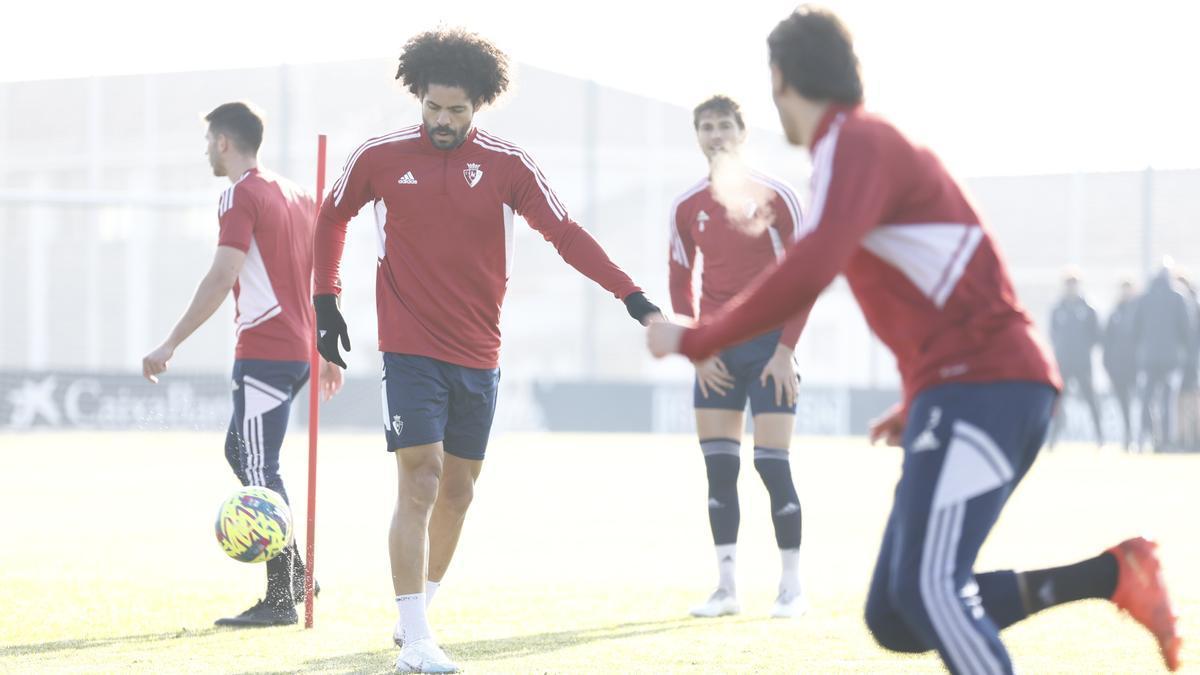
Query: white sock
[412, 617]
[789, 579]
[726, 564]
[430, 591]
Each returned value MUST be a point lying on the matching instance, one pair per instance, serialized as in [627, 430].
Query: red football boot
[1142, 593]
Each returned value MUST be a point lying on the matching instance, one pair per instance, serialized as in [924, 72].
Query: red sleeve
[680, 267]
[236, 214]
[789, 223]
[345, 199]
[537, 203]
[852, 191]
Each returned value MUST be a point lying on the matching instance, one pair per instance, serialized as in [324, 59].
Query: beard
[455, 139]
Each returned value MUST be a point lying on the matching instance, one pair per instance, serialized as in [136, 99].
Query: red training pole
[314, 395]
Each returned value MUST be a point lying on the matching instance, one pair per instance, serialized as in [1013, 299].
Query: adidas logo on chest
[407, 179]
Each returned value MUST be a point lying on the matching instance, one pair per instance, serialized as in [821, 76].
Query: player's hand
[330, 380]
[663, 338]
[712, 375]
[642, 310]
[889, 426]
[331, 328]
[155, 363]
[782, 369]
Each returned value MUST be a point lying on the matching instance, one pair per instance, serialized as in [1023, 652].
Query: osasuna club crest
[473, 174]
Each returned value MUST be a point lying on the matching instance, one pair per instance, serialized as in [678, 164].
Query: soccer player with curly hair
[444, 194]
[979, 383]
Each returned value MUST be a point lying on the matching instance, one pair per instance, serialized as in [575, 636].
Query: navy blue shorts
[429, 401]
[745, 363]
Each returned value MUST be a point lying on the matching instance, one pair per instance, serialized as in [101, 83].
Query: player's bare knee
[419, 489]
[420, 479]
[774, 430]
[456, 496]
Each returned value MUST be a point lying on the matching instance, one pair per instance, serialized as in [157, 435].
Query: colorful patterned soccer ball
[254, 525]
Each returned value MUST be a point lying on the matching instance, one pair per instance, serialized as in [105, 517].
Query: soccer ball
[254, 525]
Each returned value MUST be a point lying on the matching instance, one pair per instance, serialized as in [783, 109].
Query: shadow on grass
[517, 646]
[91, 643]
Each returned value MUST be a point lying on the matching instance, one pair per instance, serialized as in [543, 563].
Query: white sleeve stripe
[777, 243]
[823, 172]
[227, 196]
[678, 252]
[681, 256]
[525, 158]
[528, 162]
[226, 200]
[789, 198]
[339, 186]
[546, 191]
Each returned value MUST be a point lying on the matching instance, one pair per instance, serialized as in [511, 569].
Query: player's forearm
[584, 253]
[208, 297]
[790, 336]
[329, 241]
[791, 287]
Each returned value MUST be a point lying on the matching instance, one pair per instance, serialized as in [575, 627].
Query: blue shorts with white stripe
[966, 446]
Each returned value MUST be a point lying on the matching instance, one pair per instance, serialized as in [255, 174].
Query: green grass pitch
[582, 553]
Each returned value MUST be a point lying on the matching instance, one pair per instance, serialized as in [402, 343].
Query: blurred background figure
[1188, 428]
[1163, 329]
[1120, 355]
[1074, 332]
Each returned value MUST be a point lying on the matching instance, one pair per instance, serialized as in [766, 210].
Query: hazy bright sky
[1019, 86]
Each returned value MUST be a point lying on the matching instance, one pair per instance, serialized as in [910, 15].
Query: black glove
[330, 327]
[640, 308]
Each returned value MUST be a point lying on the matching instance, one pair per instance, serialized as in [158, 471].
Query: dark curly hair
[454, 57]
[814, 51]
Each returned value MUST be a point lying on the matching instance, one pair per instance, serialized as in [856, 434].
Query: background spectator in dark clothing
[1120, 355]
[1189, 382]
[1163, 329]
[1074, 332]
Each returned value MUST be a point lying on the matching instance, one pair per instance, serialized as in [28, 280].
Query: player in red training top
[264, 255]
[979, 384]
[736, 223]
[444, 195]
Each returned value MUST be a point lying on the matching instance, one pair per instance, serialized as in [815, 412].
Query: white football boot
[720, 603]
[424, 656]
[789, 605]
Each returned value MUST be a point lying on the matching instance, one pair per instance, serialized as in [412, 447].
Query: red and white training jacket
[444, 228]
[737, 241]
[269, 218]
[924, 269]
